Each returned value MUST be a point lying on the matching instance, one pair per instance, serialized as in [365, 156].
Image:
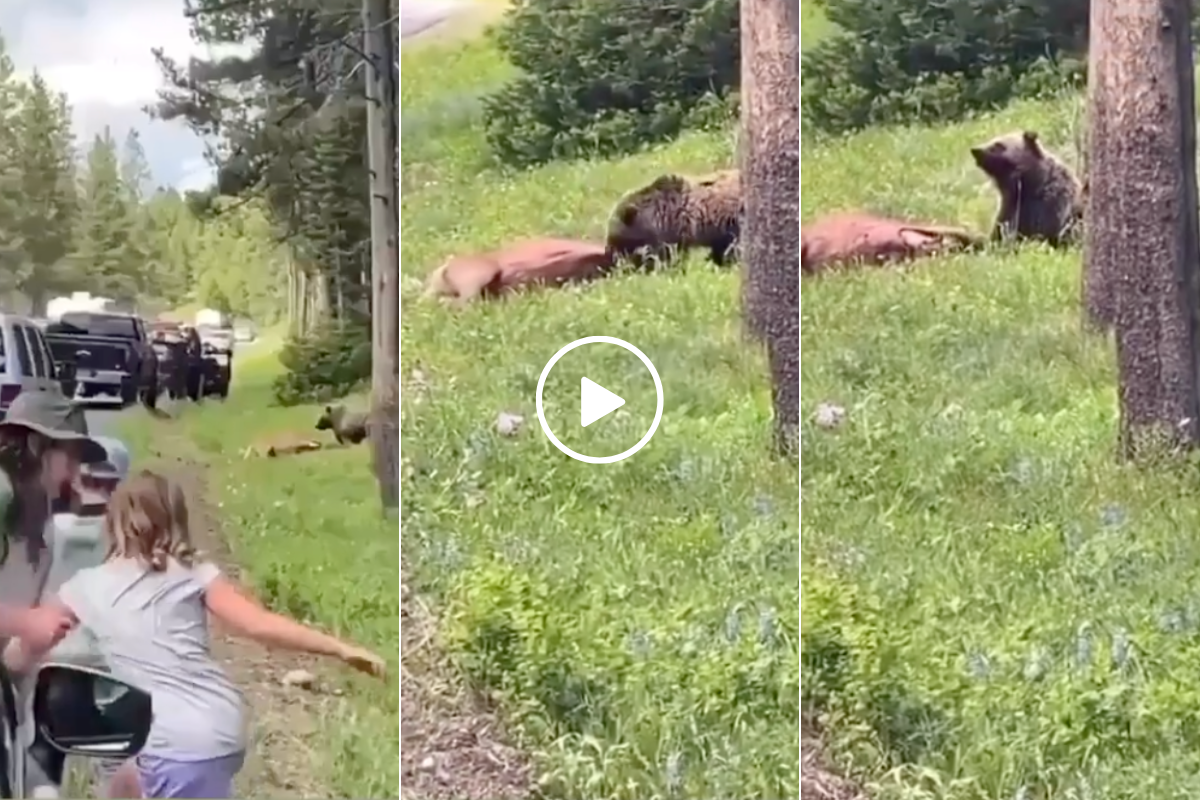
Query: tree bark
[382, 98]
[770, 155]
[1143, 242]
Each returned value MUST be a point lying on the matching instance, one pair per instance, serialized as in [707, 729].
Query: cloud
[98, 53]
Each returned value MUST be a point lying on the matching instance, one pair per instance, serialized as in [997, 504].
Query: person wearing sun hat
[43, 441]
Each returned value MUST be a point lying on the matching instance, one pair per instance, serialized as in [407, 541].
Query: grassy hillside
[993, 607]
[637, 619]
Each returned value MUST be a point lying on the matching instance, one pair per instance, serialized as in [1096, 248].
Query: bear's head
[646, 223]
[1010, 156]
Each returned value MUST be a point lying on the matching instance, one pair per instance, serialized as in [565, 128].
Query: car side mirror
[86, 712]
[66, 370]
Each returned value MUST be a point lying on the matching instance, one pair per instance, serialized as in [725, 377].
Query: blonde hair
[147, 519]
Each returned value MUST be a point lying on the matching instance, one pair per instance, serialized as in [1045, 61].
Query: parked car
[218, 346]
[27, 363]
[245, 332]
[180, 359]
[112, 355]
[75, 710]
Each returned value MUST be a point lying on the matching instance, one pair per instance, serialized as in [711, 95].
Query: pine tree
[103, 238]
[46, 215]
[10, 177]
[139, 256]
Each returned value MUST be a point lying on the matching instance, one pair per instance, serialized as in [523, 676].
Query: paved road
[101, 419]
[418, 16]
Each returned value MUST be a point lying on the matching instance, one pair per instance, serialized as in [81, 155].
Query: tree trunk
[770, 155]
[382, 99]
[1143, 243]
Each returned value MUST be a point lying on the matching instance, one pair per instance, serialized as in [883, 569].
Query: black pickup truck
[111, 352]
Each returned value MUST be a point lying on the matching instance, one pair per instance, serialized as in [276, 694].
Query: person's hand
[42, 627]
[364, 661]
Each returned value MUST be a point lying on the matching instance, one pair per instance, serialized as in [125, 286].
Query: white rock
[508, 424]
[300, 677]
[829, 416]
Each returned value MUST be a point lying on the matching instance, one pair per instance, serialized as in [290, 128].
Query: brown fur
[675, 212]
[536, 262]
[851, 238]
[347, 426]
[1040, 197]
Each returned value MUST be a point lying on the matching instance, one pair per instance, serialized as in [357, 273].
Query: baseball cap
[114, 465]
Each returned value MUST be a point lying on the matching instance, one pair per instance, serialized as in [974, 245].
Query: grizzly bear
[1040, 197]
[347, 426]
[676, 213]
[536, 262]
[851, 238]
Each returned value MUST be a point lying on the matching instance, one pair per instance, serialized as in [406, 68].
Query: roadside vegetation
[992, 605]
[636, 621]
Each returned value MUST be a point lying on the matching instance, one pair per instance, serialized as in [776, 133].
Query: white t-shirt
[152, 628]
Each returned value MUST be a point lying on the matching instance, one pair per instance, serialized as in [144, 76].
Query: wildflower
[979, 665]
[733, 625]
[1120, 648]
[1037, 665]
[1113, 516]
[1083, 646]
[675, 772]
[766, 625]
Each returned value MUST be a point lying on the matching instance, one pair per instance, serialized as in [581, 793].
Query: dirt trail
[285, 757]
[452, 746]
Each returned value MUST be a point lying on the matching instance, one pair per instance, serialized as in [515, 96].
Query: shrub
[331, 362]
[607, 76]
[908, 60]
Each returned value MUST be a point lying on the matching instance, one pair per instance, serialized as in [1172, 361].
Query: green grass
[309, 534]
[993, 606]
[637, 620]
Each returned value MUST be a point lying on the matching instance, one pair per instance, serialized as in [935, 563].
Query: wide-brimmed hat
[54, 416]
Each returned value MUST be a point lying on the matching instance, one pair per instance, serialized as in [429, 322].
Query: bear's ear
[667, 183]
[628, 215]
[1031, 141]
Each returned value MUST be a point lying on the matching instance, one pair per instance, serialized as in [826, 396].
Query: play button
[598, 365]
[595, 402]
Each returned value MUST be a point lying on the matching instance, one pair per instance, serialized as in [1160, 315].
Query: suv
[26, 363]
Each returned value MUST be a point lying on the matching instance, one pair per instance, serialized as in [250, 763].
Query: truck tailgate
[91, 352]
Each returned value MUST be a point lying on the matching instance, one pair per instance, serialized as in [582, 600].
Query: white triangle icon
[595, 402]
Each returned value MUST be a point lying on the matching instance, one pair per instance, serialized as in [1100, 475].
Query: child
[77, 542]
[146, 606]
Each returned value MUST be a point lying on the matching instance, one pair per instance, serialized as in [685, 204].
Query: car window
[23, 363]
[51, 370]
[37, 357]
[102, 324]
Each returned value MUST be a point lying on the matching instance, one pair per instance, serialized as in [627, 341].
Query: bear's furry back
[678, 211]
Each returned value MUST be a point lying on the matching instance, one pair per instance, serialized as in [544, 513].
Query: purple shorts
[198, 780]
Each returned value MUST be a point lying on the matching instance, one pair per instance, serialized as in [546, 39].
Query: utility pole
[382, 96]
[1142, 243]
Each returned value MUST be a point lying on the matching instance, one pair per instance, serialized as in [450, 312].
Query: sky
[98, 52]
